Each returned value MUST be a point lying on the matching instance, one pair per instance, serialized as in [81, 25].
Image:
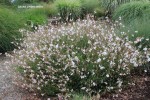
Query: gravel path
[8, 91]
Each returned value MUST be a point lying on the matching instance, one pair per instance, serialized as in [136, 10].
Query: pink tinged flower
[34, 81]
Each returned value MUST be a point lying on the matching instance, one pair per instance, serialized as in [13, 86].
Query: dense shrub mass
[10, 24]
[86, 56]
[132, 10]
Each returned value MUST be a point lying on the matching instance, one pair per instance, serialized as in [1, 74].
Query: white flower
[107, 75]
[38, 88]
[148, 59]
[34, 81]
[98, 60]
[56, 46]
[119, 82]
[145, 49]
[135, 64]
[145, 71]
[117, 38]
[83, 88]
[94, 84]
[120, 18]
[76, 58]
[101, 67]
[104, 53]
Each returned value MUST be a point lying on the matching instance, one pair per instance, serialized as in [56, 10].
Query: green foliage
[68, 9]
[34, 17]
[5, 2]
[131, 11]
[19, 2]
[10, 24]
[99, 12]
[50, 10]
[111, 5]
[136, 17]
[90, 5]
[80, 96]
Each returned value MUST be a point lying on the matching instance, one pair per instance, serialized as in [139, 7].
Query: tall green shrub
[111, 5]
[131, 11]
[10, 24]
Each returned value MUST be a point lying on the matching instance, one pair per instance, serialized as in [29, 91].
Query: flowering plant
[85, 56]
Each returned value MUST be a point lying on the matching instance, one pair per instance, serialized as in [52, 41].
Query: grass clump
[69, 10]
[91, 7]
[10, 24]
[85, 57]
[132, 10]
[50, 10]
[34, 17]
